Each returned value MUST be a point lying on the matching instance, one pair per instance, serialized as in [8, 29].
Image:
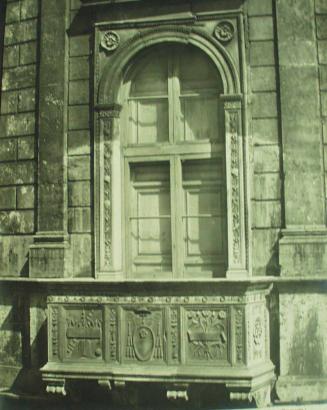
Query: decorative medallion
[224, 31]
[143, 342]
[110, 40]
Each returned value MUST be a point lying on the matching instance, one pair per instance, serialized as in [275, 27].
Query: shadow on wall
[23, 341]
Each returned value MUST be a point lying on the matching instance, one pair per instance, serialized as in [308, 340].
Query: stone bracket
[177, 392]
[56, 387]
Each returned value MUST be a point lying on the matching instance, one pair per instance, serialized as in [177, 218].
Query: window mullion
[177, 228]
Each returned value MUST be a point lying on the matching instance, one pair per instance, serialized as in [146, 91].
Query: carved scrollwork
[54, 331]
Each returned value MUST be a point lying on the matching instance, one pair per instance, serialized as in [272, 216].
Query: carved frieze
[160, 300]
[113, 334]
[174, 338]
[207, 335]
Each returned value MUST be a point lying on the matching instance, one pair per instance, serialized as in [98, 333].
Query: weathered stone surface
[259, 7]
[8, 198]
[29, 9]
[26, 100]
[261, 28]
[266, 214]
[79, 142]
[301, 124]
[303, 253]
[12, 12]
[21, 32]
[14, 255]
[8, 149]
[9, 102]
[264, 105]
[322, 26]
[321, 6]
[79, 45]
[263, 79]
[267, 186]
[10, 56]
[79, 168]
[12, 222]
[27, 53]
[25, 197]
[78, 117]
[265, 131]
[16, 173]
[302, 318]
[322, 51]
[81, 248]
[19, 77]
[266, 158]
[79, 220]
[324, 103]
[16, 125]
[79, 193]
[265, 249]
[79, 92]
[26, 148]
[79, 68]
[262, 53]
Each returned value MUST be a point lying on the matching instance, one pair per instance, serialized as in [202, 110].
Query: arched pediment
[112, 75]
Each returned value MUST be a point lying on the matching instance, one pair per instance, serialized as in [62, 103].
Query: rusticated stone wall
[17, 135]
[264, 130]
[79, 145]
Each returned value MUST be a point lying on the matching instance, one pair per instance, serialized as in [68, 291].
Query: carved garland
[54, 330]
[233, 124]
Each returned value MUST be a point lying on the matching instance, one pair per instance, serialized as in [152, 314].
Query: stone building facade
[86, 127]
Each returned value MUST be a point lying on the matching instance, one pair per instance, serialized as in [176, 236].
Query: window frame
[166, 152]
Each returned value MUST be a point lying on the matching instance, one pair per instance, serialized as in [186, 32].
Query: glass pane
[204, 221]
[151, 77]
[197, 71]
[150, 217]
[149, 121]
[199, 118]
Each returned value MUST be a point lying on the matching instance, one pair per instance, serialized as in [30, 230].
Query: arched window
[173, 147]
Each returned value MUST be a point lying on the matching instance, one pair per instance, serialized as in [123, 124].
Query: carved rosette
[234, 160]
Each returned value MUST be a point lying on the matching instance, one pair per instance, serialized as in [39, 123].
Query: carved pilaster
[235, 188]
[107, 152]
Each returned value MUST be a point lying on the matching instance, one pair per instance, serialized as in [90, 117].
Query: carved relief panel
[83, 333]
[207, 335]
[143, 335]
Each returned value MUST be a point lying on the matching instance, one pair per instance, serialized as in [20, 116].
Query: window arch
[174, 154]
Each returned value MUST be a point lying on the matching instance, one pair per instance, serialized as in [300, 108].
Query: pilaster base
[292, 389]
[48, 256]
[303, 252]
